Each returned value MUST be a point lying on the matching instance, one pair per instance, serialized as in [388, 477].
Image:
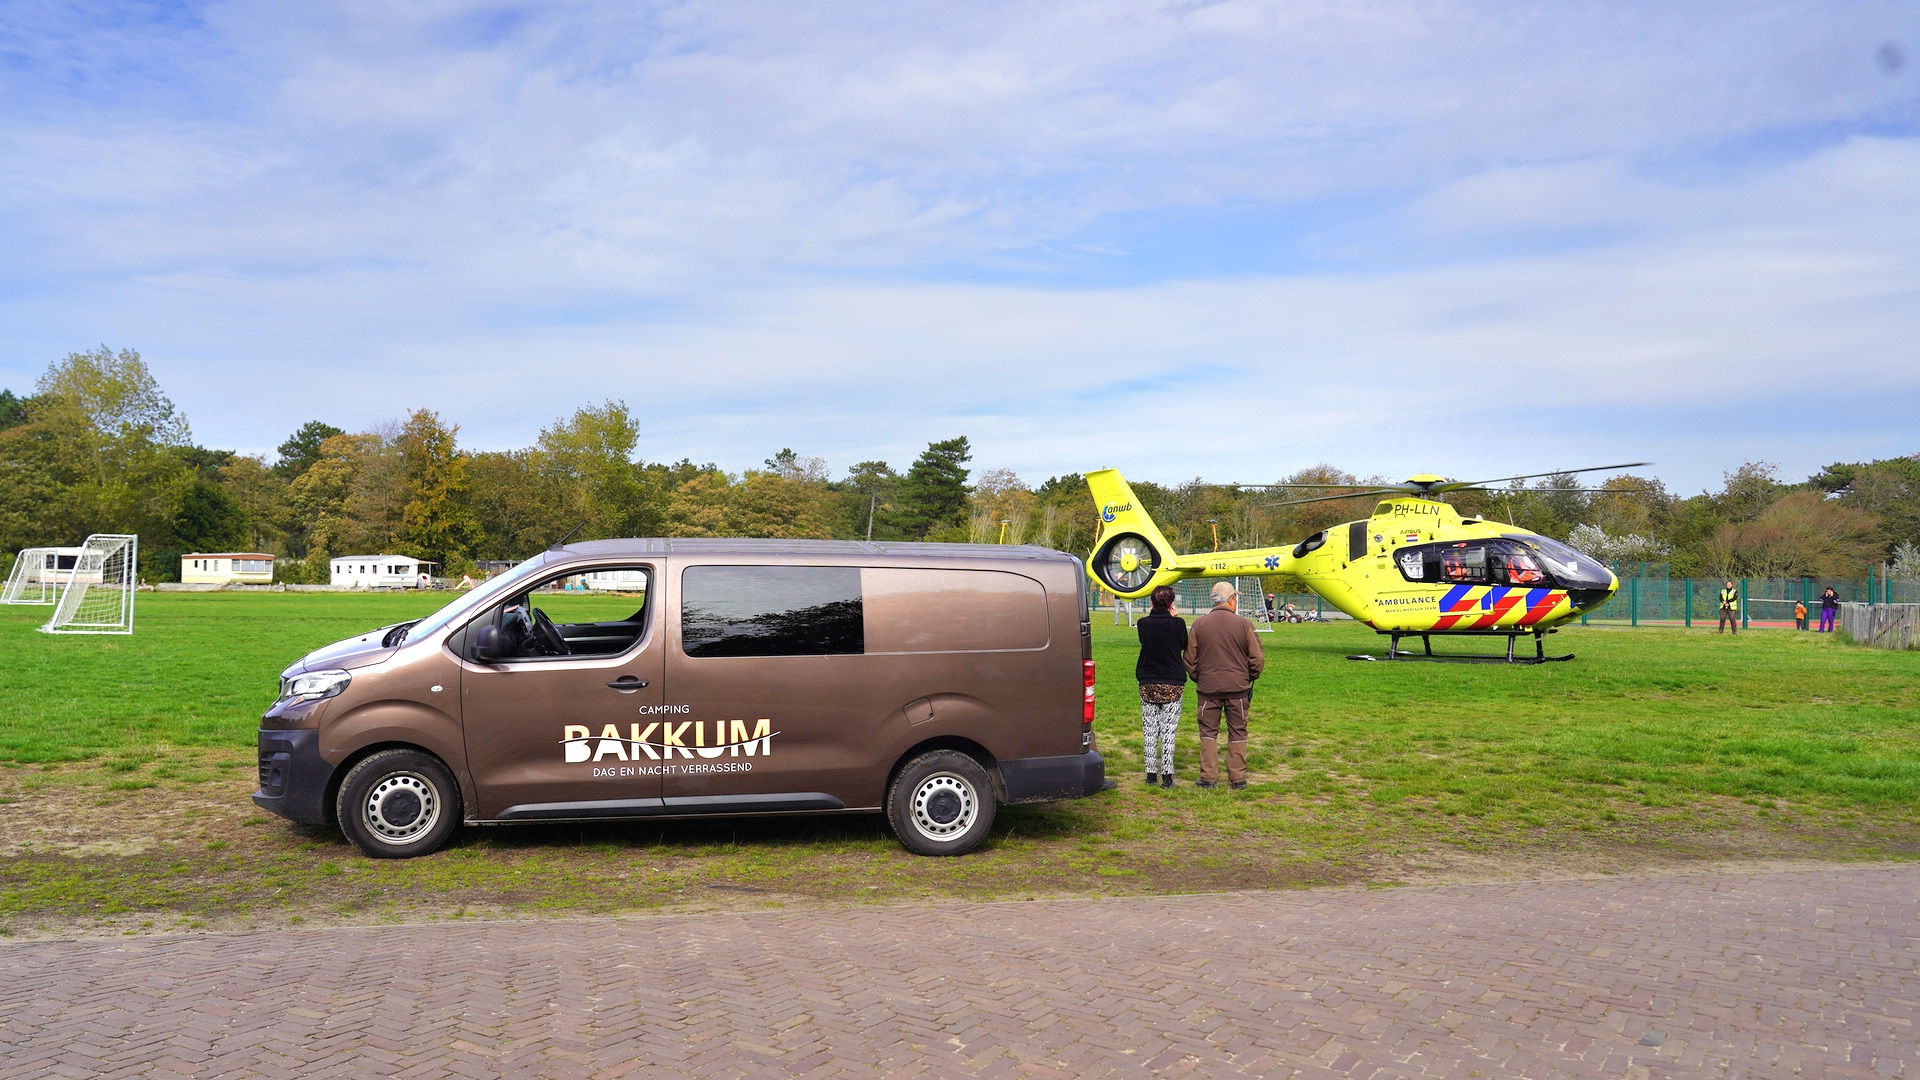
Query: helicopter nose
[1588, 599]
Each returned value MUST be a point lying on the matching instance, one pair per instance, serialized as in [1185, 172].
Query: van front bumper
[1043, 779]
[293, 775]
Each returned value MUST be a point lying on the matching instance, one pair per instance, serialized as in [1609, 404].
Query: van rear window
[771, 611]
[916, 610]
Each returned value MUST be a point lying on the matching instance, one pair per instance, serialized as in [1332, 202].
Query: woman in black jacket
[1163, 680]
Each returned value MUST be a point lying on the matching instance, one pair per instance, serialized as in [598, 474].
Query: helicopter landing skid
[1428, 655]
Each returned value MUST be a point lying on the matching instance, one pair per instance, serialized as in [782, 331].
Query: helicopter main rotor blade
[1329, 487]
[1457, 485]
[1504, 492]
[1337, 498]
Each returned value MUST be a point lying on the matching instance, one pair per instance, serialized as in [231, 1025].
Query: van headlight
[314, 685]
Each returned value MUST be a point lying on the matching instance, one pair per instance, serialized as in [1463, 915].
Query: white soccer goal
[32, 579]
[97, 595]
[1253, 603]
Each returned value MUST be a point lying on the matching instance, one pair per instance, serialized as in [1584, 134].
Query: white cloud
[1554, 232]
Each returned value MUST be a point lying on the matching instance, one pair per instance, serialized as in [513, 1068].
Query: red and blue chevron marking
[1493, 603]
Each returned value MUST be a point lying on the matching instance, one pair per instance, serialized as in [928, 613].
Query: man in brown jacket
[1224, 657]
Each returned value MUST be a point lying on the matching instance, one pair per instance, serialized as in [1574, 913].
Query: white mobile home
[378, 571]
[227, 568]
[51, 565]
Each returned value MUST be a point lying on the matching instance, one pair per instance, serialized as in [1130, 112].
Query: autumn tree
[436, 523]
[1798, 534]
[352, 499]
[785, 504]
[1000, 498]
[1067, 517]
[701, 505]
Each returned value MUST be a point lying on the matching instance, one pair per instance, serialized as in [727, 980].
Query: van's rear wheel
[397, 804]
[941, 804]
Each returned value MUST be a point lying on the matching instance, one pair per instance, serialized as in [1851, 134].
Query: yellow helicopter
[1416, 568]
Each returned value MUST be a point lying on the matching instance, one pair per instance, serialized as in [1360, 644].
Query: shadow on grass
[1041, 822]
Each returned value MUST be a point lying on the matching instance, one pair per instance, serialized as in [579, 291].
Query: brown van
[621, 679]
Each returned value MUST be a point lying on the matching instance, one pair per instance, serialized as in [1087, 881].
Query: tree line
[98, 447]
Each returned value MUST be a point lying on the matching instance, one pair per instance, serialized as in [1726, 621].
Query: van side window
[771, 611]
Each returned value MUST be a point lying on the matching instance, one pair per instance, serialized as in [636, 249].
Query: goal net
[96, 596]
[1253, 603]
[32, 578]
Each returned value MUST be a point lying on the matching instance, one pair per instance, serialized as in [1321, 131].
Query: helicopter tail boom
[1133, 557]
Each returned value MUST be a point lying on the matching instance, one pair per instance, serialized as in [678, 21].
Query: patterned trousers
[1158, 723]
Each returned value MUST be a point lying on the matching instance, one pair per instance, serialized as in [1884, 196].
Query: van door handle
[628, 683]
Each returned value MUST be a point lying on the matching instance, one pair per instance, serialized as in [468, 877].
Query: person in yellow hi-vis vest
[1729, 610]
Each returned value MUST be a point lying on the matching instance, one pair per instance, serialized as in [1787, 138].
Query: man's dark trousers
[1234, 708]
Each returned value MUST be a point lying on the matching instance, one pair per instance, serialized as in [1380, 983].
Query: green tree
[209, 519]
[436, 521]
[302, 448]
[1749, 490]
[933, 495]
[13, 410]
[869, 494]
[43, 479]
[588, 459]
[263, 496]
[1889, 489]
[513, 509]
[126, 443]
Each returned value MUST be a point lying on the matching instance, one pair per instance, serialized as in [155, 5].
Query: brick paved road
[1762, 974]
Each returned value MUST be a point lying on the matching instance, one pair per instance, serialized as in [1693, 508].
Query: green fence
[1191, 597]
[1662, 601]
[1651, 600]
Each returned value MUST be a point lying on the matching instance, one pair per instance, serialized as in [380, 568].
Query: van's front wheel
[941, 804]
[397, 804]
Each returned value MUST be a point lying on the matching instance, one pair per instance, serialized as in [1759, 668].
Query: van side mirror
[489, 644]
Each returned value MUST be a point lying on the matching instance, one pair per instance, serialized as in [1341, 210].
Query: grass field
[125, 765]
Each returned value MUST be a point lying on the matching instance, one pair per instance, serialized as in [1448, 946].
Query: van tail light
[1086, 707]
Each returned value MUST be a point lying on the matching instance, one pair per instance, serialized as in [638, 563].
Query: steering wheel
[546, 637]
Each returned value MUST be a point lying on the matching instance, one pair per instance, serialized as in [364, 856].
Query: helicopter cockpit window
[1463, 564]
[1471, 562]
[1513, 567]
[1569, 568]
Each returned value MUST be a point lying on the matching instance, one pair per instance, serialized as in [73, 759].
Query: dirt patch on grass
[114, 809]
[173, 844]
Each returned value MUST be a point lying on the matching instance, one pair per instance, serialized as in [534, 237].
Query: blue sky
[1224, 240]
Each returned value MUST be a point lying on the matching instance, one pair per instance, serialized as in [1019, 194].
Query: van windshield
[492, 587]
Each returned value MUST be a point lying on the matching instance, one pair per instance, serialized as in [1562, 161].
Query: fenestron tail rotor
[1126, 563]
[1133, 555]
